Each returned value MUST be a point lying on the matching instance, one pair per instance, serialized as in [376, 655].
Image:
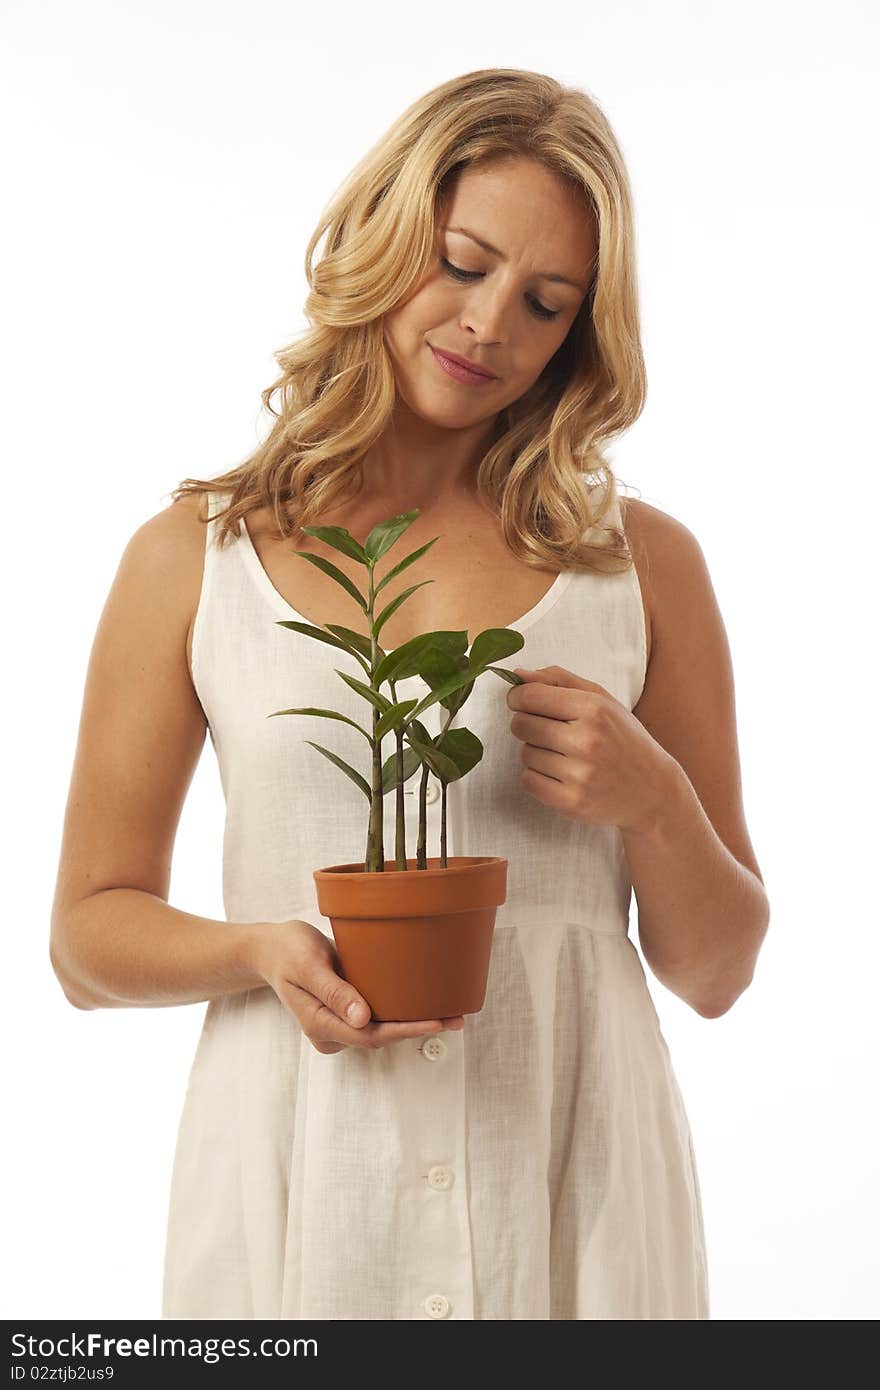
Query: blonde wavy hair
[336, 391]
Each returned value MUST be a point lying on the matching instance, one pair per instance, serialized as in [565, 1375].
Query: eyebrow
[493, 251]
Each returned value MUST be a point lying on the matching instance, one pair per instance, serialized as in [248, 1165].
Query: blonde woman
[473, 343]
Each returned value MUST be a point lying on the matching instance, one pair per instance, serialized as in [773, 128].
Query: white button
[432, 791]
[437, 1306]
[433, 1049]
[440, 1177]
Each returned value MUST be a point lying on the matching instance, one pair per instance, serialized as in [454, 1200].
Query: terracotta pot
[416, 945]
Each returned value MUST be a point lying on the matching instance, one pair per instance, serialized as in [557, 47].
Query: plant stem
[422, 847]
[421, 850]
[400, 820]
[375, 856]
[374, 859]
[443, 786]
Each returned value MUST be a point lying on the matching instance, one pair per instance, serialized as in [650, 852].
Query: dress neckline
[280, 604]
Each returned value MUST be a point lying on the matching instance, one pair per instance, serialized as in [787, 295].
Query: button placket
[438, 1201]
[434, 1194]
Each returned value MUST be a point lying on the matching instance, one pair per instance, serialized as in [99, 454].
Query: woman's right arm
[115, 941]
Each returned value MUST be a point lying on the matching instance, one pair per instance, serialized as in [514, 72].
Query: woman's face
[504, 312]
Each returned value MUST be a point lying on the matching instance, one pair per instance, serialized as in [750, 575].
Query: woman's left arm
[703, 909]
[667, 774]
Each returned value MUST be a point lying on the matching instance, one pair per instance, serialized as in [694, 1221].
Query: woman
[535, 1161]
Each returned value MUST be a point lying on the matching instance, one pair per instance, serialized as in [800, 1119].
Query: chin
[434, 408]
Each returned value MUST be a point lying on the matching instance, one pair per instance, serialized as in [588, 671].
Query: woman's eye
[457, 273]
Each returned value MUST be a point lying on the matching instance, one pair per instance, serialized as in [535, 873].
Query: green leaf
[326, 714]
[309, 631]
[356, 777]
[446, 688]
[411, 764]
[329, 568]
[437, 667]
[509, 676]
[398, 569]
[407, 660]
[383, 536]
[438, 762]
[381, 702]
[357, 640]
[460, 697]
[494, 643]
[416, 726]
[340, 539]
[393, 718]
[451, 757]
[464, 749]
[394, 604]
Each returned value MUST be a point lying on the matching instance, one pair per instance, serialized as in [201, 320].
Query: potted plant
[413, 938]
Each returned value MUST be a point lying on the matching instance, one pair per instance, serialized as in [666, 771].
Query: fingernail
[355, 1012]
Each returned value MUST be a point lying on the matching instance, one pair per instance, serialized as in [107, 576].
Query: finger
[548, 763]
[552, 701]
[396, 1032]
[541, 732]
[319, 979]
[321, 1023]
[374, 1034]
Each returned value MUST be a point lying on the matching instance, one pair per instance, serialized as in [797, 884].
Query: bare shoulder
[177, 529]
[655, 537]
[666, 555]
[184, 519]
[173, 542]
[688, 703]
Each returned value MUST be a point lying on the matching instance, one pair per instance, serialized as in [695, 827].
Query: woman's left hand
[584, 753]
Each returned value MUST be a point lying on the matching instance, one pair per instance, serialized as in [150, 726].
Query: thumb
[339, 996]
[357, 1012]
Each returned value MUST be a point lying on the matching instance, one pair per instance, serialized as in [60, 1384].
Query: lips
[462, 366]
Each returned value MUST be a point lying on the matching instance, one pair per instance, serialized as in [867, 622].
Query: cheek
[404, 335]
[432, 310]
[535, 357]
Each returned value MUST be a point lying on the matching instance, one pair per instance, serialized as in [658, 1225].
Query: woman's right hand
[300, 963]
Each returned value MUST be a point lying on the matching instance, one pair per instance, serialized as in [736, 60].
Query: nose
[484, 314]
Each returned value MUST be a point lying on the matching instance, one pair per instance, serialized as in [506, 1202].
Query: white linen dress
[536, 1165]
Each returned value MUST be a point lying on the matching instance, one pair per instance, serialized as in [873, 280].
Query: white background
[164, 165]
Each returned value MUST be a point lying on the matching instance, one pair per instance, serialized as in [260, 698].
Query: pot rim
[458, 864]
